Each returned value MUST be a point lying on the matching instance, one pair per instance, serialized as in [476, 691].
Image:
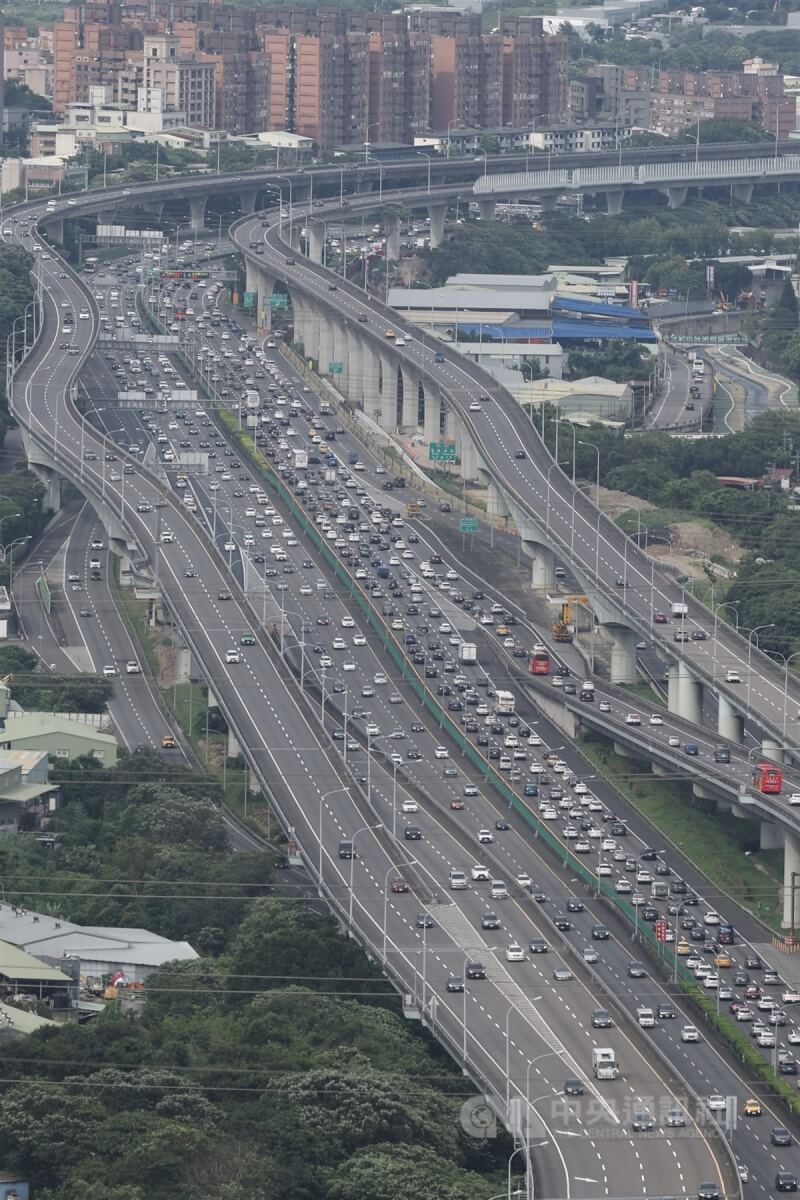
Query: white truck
[300, 459]
[252, 399]
[604, 1063]
[504, 703]
[468, 652]
[679, 610]
[251, 420]
[646, 1017]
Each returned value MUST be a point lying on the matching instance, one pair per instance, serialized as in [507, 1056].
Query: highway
[513, 450]
[284, 744]
[282, 738]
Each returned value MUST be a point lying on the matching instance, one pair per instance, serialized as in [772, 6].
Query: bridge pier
[247, 201]
[310, 330]
[373, 401]
[772, 749]
[324, 346]
[342, 377]
[623, 653]
[771, 836]
[684, 694]
[743, 192]
[55, 231]
[355, 370]
[469, 456]
[614, 202]
[543, 564]
[392, 227]
[437, 213]
[316, 241]
[676, 196]
[155, 207]
[730, 723]
[791, 868]
[486, 209]
[197, 211]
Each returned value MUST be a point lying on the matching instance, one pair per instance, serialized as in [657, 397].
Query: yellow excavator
[561, 628]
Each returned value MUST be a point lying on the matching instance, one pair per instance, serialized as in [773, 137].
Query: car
[636, 970]
[520, 454]
[642, 1121]
[515, 953]
[633, 719]
[86, 612]
[573, 1087]
[502, 825]
[399, 886]
[490, 920]
[439, 751]
[485, 836]
[479, 873]
[538, 946]
[785, 1181]
[412, 833]
[247, 639]
[457, 805]
[109, 671]
[232, 656]
[455, 984]
[590, 955]
[655, 719]
[475, 970]
[665, 1011]
[674, 1118]
[708, 1191]
[780, 1136]
[562, 975]
[752, 1107]
[690, 1033]
[732, 677]
[716, 1102]
[424, 921]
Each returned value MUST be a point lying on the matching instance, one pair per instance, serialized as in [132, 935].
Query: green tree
[413, 1172]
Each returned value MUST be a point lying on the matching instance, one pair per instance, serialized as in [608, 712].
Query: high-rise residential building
[185, 85]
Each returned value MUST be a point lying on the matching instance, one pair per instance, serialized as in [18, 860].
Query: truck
[251, 420]
[504, 703]
[324, 408]
[604, 1063]
[252, 399]
[560, 628]
[413, 510]
[679, 610]
[300, 458]
[646, 1017]
[329, 475]
[467, 652]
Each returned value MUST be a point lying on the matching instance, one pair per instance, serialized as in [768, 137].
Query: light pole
[659, 854]
[9, 550]
[485, 159]
[371, 125]
[322, 799]
[450, 125]
[755, 630]
[553, 464]
[363, 829]
[733, 607]
[596, 449]
[528, 1106]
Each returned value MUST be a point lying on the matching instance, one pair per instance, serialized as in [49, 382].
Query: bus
[539, 662]
[504, 703]
[767, 779]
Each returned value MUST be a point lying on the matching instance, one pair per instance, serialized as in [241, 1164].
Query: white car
[441, 752]
[580, 789]
[485, 836]
[109, 671]
[409, 806]
[379, 678]
[515, 953]
[339, 643]
[689, 1033]
[524, 880]
[793, 1036]
[535, 740]
[633, 719]
[790, 996]
[716, 1102]
[711, 918]
[732, 677]
[348, 665]
[655, 719]
[794, 798]
[132, 667]
[347, 622]
[479, 873]
[359, 639]
[232, 656]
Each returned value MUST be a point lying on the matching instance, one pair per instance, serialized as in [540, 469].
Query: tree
[413, 1172]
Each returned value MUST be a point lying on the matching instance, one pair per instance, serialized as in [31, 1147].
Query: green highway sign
[469, 525]
[442, 452]
[278, 300]
[43, 588]
[334, 368]
[250, 299]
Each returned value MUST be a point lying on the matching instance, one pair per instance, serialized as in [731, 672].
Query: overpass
[674, 179]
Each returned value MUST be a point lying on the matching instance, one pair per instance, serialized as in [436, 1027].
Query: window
[62, 753]
[98, 754]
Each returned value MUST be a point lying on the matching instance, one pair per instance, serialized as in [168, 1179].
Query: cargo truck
[604, 1063]
[679, 610]
[252, 399]
[646, 1017]
[300, 459]
[504, 703]
[468, 652]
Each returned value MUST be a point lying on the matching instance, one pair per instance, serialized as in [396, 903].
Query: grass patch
[135, 614]
[715, 841]
[645, 692]
[454, 486]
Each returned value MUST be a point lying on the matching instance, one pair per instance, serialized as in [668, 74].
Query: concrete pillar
[311, 334]
[743, 192]
[197, 211]
[55, 231]
[614, 202]
[430, 428]
[771, 836]
[52, 493]
[234, 749]
[370, 364]
[252, 277]
[791, 868]
[411, 382]
[156, 207]
[437, 214]
[543, 566]
[486, 208]
[690, 695]
[325, 351]
[247, 200]
[392, 225]
[106, 216]
[340, 380]
[302, 323]
[355, 370]
[772, 749]
[547, 202]
[469, 456]
[730, 723]
[623, 654]
[389, 392]
[495, 503]
[677, 196]
[316, 240]
[673, 690]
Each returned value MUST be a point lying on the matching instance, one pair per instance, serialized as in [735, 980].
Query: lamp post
[450, 125]
[9, 551]
[528, 1106]
[553, 464]
[322, 799]
[659, 854]
[485, 160]
[596, 449]
[733, 607]
[755, 630]
[371, 125]
[363, 829]
[423, 154]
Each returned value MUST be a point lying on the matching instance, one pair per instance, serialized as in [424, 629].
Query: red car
[660, 618]
[399, 885]
[457, 805]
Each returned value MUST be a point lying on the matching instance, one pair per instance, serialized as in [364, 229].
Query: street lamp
[596, 449]
[9, 550]
[755, 630]
[371, 125]
[425, 154]
[659, 854]
[450, 125]
[363, 829]
[322, 799]
[528, 1107]
[485, 159]
[553, 464]
[734, 609]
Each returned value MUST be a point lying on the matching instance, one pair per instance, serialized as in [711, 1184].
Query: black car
[643, 1122]
[501, 825]
[412, 833]
[785, 1181]
[455, 984]
[573, 1087]
[562, 922]
[539, 896]
[574, 906]
[636, 970]
[665, 1011]
[600, 933]
[424, 921]
[538, 946]
[476, 970]
[780, 1136]
[787, 1066]
[617, 829]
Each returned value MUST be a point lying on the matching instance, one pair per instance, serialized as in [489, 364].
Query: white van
[498, 890]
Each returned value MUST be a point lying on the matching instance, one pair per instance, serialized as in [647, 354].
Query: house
[57, 736]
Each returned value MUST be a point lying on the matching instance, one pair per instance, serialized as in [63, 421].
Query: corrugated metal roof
[17, 964]
[564, 329]
[509, 333]
[591, 306]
